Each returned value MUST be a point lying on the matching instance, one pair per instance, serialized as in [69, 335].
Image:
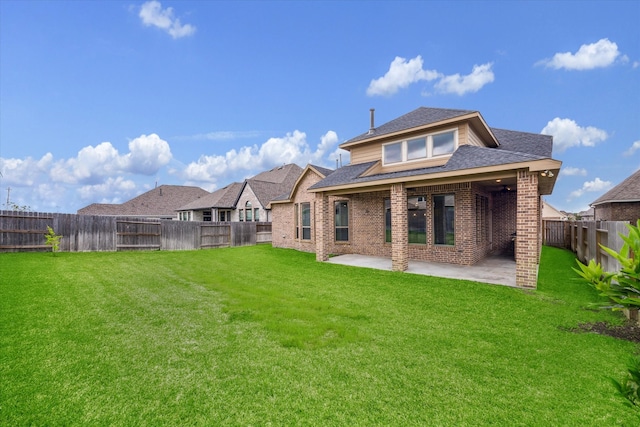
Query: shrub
[622, 287]
[53, 239]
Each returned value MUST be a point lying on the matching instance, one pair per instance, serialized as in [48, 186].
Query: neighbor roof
[222, 198]
[162, 202]
[627, 191]
[267, 186]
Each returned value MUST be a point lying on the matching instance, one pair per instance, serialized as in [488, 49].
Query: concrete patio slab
[494, 270]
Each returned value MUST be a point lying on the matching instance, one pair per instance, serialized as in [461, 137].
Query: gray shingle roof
[221, 198]
[628, 190]
[515, 147]
[524, 142]
[419, 117]
[323, 171]
[465, 157]
[162, 201]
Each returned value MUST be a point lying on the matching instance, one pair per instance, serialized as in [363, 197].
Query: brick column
[527, 229]
[322, 226]
[399, 228]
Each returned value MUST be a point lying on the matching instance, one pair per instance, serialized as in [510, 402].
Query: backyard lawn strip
[257, 335]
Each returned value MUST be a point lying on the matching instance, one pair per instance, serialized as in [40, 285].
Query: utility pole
[8, 194]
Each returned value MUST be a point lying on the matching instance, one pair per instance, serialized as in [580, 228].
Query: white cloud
[112, 190]
[480, 76]
[571, 171]
[147, 154]
[291, 148]
[24, 172]
[591, 186]
[152, 14]
[600, 54]
[566, 133]
[401, 74]
[634, 147]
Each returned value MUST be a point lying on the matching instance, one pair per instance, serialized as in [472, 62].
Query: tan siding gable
[473, 138]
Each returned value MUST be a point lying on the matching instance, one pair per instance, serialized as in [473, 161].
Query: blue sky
[102, 100]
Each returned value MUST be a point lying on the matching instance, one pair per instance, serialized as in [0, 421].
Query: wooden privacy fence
[585, 237]
[24, 231]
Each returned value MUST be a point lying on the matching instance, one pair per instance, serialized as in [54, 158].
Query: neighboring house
[621, 203]
[551, 213]
[161, 202]
[246, 201]
[217, 206]
[587, 215]
[435, 185]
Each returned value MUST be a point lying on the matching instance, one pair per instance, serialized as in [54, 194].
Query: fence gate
[556, 233]
[133, 235]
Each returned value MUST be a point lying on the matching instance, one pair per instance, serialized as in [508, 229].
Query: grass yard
[263, 336]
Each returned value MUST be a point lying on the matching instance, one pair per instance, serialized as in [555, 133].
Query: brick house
[621, 203]
[435, 184]
[243, 201]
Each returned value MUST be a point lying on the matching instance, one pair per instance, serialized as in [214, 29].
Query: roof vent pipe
[371, 114]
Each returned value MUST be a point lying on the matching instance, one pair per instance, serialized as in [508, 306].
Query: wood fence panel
[585, 237]
[556, 233]
[180, 235]
[24, 231]
[215, 235]
[243, 233]
[21, 231]
[137, 234]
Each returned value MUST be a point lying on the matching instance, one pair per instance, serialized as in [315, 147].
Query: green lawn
[263, 336]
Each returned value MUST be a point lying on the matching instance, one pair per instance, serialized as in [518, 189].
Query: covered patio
[497, 270]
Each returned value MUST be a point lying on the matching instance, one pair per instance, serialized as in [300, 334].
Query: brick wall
[503, 212]
[528, 229]
[399, 228]
[629, 211]
[283, 221]
[367, 224]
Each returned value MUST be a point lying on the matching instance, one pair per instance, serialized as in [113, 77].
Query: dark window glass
[443, 219]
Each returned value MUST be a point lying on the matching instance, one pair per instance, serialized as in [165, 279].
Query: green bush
[622, 287]
[53, 239]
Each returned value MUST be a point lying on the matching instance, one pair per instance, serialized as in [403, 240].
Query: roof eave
[596, 203]
[462, 175]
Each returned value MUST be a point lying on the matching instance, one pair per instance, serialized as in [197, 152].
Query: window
[432, 145]
[416, 148]
[296, 220]
[443, 143]
[206, 215]
[417, 219]
[387, 220]
[224, 216]
[443, 219]
[256, 214]
[393, 153]
[248, 211]
[306, 220]
[241, 215]
[342, 221]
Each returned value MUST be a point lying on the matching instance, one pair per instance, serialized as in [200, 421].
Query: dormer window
[424, 147]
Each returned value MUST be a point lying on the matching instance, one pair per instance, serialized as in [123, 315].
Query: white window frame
[429, 142]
